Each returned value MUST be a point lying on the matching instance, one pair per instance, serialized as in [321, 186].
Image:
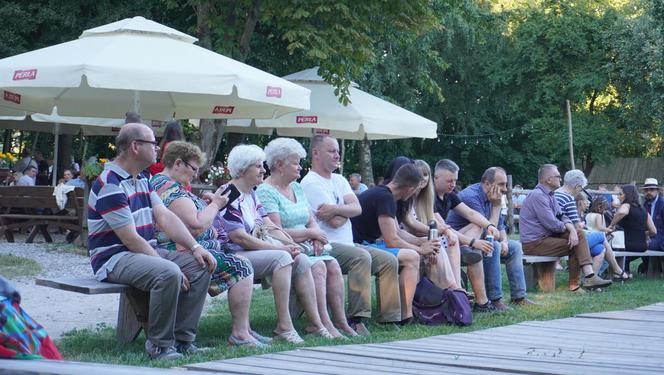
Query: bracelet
[195, 246]
[490, 225]
[472, 241]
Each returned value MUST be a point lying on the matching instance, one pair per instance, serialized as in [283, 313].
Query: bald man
[122, 212]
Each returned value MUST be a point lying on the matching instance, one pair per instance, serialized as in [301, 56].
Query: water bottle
[489, 237]
[433, 230]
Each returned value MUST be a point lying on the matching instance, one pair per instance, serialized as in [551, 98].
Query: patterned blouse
[244, 213]
[293, 215]
[169, 190]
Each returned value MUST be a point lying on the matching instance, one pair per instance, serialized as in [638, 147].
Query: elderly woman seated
[233, 273]
[275, 261]
[287, 206]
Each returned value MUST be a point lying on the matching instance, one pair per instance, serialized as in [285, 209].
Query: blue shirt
[475, 198]
[540, 216]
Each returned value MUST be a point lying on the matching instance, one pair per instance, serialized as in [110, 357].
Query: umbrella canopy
[366, 115]
[57, 124]
[142, 65]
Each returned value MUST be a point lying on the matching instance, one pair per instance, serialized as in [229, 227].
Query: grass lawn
[100, 345]
[12, 266]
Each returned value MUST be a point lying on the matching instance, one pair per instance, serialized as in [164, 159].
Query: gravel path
[57, 310]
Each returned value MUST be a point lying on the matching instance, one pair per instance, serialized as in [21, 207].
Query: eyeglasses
[153, 143]
[195, 170]
[556, 176]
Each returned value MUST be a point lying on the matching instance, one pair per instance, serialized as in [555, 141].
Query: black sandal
[623, 276]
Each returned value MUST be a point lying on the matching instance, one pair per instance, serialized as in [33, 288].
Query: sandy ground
[57, 310]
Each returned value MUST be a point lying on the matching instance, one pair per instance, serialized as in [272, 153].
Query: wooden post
[569, 129]
[510, 204]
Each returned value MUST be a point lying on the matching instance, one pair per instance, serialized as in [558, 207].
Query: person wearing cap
[654, 205]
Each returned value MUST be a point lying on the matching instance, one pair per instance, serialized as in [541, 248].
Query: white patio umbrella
[366, 115]
[137, 64]
[56, 124]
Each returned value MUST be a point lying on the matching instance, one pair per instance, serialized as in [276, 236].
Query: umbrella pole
[54, 174]
[137, 102]
[343, 156]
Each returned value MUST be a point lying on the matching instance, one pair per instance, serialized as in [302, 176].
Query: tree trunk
[64, 154]
[7, 144]
[212, 131]
[365, 162]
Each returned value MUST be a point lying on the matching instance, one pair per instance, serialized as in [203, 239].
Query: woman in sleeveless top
[595, 226]
[634, 219]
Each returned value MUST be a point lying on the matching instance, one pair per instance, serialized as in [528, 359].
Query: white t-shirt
[321, 190]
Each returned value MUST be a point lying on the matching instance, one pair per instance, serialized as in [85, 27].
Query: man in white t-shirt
[334, 203]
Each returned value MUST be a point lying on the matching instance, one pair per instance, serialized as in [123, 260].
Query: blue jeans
[493, 278]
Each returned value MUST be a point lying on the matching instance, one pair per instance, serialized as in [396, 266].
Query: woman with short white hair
[282, 264]
[287, 206]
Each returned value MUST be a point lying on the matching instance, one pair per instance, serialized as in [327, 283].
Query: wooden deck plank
[354, 359]
[545, 333]
[640, 315]
[521, 352]
[558, 343]
[530, 366]
[344, 366]
[44, 367]
[599, 326]
[607, 342]
[225, 367]
[616, 342]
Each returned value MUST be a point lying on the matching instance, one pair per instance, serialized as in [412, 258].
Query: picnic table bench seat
[132, 309]
[34, 208]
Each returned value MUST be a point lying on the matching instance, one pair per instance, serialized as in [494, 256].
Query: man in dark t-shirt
[448, 202]
[377, 227]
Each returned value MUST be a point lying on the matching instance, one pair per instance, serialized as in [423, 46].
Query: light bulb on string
[477, 141]
[465, 141]
[452, 141]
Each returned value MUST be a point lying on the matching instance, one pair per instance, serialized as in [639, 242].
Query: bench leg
[546, 276]
[9, 235]
[531, 279]
[41, 228]
[131, 316]
[654, 268]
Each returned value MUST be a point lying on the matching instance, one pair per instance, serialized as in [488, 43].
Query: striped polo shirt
[567, 206]
[117, 199]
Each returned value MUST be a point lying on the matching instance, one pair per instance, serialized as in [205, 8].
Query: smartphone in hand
[235, 194]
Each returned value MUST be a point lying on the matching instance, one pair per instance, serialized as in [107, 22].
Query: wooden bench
[133, 308]
[540, 270]
[20, 205]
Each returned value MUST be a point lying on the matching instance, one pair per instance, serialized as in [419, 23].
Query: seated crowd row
[301, 237]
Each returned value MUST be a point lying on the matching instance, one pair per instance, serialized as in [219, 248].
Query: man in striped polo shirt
[122, 210]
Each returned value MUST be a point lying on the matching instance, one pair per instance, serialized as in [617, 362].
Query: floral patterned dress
[231, 268]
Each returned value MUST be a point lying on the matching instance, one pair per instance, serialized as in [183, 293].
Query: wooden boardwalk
[617, 342]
